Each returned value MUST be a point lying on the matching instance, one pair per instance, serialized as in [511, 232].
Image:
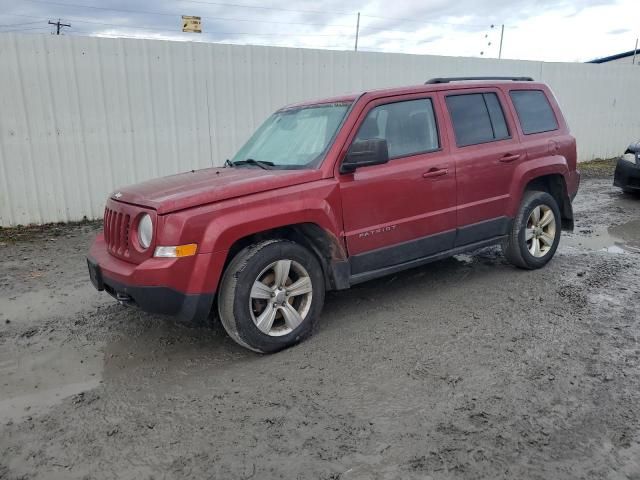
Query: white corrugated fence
[80, 116]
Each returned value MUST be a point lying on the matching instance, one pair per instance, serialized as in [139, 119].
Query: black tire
[515, 248]
[234, 297]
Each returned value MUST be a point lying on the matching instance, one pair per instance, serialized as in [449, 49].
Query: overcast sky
[551, 30]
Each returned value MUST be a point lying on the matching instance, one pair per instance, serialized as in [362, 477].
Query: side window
[408, 127]
[477, 118]
[534, 111]
[496, 114]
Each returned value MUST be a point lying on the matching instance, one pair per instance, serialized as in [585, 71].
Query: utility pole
[635, 52]
[58, 25]
[501, 37]
[357, 31]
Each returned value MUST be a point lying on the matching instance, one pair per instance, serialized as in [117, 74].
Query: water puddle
[41, 368]
[619, 239]
[37, 305]
[37, 378]
[464, 258]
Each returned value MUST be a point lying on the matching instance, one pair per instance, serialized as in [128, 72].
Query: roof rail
[459, 79]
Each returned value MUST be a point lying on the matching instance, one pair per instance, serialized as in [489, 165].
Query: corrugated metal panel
[81, 116]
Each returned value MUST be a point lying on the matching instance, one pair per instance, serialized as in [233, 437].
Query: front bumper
[182, 287]
[627, 175]
[188, 307]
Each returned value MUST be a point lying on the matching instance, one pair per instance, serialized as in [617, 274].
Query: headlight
[629, 157]
[145, 231]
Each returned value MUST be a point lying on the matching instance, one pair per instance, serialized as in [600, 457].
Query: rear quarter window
[534, 111]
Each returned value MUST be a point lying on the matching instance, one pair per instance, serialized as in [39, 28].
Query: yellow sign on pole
[191, 24]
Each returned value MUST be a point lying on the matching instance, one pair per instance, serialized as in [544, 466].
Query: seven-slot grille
[116, 231]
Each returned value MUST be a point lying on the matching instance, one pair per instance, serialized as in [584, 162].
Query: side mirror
[364, 153]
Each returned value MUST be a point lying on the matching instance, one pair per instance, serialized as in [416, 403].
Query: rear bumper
[627, 175]
[182, 287]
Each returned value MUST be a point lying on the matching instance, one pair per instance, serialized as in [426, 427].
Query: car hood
[200, 187]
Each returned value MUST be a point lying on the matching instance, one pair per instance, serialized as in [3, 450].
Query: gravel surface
[465, 368]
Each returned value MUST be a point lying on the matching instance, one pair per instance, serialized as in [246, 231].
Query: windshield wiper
[251, 161]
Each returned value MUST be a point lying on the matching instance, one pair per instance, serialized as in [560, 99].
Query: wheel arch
[323, 244]
[554, 184]
[547, 174]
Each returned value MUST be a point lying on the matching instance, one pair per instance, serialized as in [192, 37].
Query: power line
[147, 12]
[22, 24]
[324, 12]
[173, 16]
[24, 29]
[120, 25]
[259, 7]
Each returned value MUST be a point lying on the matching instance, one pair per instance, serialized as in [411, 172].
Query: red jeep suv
[331, 193]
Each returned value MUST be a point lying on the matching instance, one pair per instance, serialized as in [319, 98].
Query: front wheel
[535, 232]
[271, 294]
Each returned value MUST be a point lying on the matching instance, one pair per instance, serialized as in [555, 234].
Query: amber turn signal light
[176, 251]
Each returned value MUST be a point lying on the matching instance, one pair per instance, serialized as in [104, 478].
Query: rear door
[486, 151]
[405, 209]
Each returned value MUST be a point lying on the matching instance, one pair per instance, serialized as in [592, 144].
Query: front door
[405, 209]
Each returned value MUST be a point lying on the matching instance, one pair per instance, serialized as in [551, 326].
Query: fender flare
[223, 233]
[528, 171]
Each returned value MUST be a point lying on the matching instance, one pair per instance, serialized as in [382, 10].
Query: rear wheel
[271, 294]
[535, 232]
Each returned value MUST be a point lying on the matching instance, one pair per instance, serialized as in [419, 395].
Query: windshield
[293, 138]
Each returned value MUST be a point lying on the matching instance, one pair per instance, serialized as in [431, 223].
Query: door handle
[508, 158]
[435, 172]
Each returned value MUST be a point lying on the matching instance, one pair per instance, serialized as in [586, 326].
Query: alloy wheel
[540, 232]
[280, 297]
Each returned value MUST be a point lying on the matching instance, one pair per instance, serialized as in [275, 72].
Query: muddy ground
[466, 368]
